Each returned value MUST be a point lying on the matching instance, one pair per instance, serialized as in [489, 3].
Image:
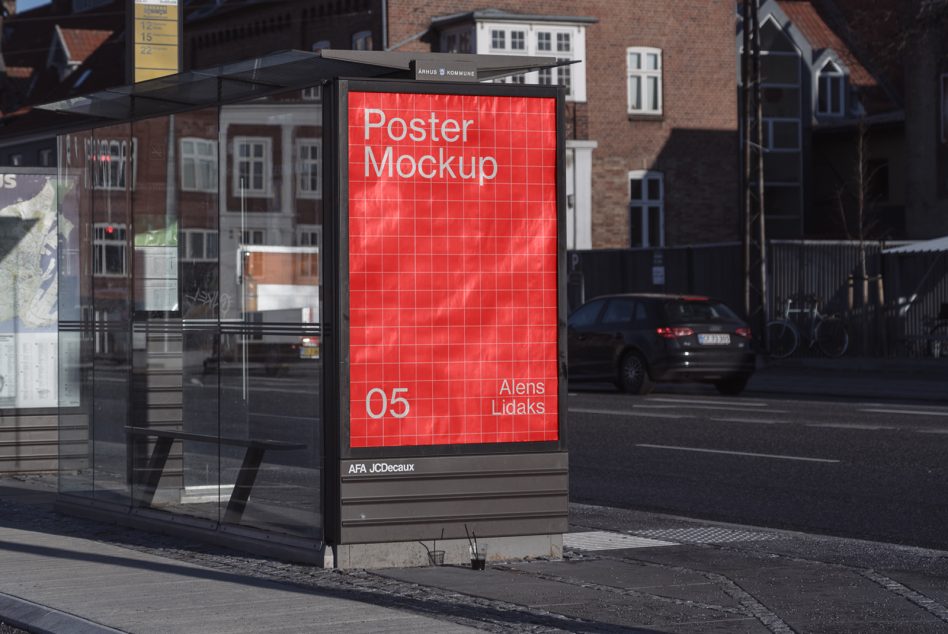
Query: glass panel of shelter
[111, 161]
[200, 381]
[77, 335]
[270, 368]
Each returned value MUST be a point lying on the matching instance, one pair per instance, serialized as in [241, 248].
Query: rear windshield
[698, 311]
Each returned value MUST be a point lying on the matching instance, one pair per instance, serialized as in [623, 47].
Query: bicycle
[828, 333]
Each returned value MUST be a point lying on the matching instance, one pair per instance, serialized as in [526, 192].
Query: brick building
[652, 153]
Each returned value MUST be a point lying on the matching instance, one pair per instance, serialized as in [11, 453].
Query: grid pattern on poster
[452, 269]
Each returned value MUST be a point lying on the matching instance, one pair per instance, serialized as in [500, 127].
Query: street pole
[754, 244]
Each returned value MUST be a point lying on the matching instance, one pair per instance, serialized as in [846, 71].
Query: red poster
[452, 269]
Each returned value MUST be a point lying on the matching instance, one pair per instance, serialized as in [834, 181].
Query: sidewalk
[863, 378]
[623, 571]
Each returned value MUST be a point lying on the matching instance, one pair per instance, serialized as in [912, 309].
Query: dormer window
[831, 91]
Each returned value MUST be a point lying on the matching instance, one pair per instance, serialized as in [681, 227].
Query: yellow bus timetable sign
[156, 38]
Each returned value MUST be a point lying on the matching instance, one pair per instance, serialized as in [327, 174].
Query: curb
[39, 619]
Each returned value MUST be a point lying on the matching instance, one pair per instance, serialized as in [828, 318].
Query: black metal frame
[335, 267]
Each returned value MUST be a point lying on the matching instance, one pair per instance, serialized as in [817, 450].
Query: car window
[620, 311]
[586, 315]
[698, 311]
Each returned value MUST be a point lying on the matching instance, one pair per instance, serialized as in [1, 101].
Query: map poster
[29, 369]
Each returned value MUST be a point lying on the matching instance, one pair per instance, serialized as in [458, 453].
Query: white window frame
[197, 158]
[210, 237]
[313, 93]
[100, 243]
[640, 206]
[643, 75]
[362, 41]
[836, 77]
[312, 165]
[572, 76]
[267, 160]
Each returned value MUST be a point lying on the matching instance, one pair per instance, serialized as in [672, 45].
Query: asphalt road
[850, 468]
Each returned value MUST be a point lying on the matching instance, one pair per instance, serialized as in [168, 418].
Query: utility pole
[752, 126]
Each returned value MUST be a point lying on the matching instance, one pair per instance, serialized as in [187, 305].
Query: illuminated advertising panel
[452, 258]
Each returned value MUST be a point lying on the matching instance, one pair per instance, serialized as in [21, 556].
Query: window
[308, 170]
[112, 162]
[456, 41]
[831, 87]
[313, 93]
[16, 160]
[109, 250]
[253, 236]
[644, 80]
[200, 245]
[362, 41]
[46, 158]
[622, 311]
[308, 236]
[198, 165]
[563, 43]
[566, 43]
[647, 209]
[543, 41]
[586, 315]
[252, 166]
[498, 40]
[781, 135]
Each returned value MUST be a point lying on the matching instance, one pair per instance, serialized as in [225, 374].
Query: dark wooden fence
[889, 315]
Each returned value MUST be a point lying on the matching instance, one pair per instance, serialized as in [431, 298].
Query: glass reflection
[194, 294]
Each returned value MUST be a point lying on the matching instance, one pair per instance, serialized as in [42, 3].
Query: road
[853, 468]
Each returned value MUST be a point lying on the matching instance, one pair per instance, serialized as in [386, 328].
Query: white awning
[925, 246]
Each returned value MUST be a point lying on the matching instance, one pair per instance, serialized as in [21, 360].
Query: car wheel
[733, 386]
[633, 374]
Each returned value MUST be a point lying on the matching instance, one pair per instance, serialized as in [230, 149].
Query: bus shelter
[311, 305]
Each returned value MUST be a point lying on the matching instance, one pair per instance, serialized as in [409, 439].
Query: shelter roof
[926, 246]
[254, 78]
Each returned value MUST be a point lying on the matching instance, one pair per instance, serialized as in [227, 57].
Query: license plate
[714, 340]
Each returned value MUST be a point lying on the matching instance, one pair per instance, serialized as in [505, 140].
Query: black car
[636, 339]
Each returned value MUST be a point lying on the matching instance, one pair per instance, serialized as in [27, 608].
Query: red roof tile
[81, 43]
[815, 29]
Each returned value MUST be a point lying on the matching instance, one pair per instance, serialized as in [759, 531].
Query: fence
[906, 292]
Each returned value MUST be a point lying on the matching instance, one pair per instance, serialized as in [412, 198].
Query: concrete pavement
[622, 570]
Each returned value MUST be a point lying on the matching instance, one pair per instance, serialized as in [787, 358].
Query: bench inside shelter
[145, 480]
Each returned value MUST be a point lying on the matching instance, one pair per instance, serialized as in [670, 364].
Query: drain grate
[707, 535]
[602, 540]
